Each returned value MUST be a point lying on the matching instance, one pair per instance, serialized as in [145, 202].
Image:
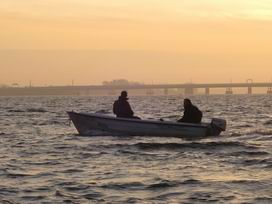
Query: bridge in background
[188, 88]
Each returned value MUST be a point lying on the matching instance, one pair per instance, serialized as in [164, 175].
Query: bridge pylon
[249, 88]
[229, 91]
[207, 91]
[269, 90]
[150, 92]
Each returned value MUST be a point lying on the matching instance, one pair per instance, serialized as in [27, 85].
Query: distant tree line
[121, 82]
[4, 86]
[8, 86]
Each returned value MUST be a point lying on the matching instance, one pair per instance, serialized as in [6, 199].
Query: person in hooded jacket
[121, 107]
[191, 113]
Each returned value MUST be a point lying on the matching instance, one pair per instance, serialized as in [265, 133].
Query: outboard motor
[220, 124]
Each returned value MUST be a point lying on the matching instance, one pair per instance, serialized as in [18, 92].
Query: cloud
[139, 10]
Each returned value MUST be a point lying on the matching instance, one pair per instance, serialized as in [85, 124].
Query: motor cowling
[221, 124]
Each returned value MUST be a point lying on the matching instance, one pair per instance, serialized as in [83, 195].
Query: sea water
[44, 160]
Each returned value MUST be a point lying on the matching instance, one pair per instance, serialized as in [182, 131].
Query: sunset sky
[151, 41]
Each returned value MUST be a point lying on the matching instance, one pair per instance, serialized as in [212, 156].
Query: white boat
[93, 124]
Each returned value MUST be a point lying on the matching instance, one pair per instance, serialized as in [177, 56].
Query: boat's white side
[98, 124]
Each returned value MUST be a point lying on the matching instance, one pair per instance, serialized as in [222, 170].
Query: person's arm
[129, 109]
[114, 109]
[184, 117]
[181, 120]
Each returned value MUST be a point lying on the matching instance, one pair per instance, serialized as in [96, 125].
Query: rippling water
[43, 160]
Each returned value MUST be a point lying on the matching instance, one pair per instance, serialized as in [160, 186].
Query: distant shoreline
[153, 89]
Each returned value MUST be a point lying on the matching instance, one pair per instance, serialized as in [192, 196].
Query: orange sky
[57, 41]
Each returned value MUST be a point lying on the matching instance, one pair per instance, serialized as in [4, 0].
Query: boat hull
[97, 124]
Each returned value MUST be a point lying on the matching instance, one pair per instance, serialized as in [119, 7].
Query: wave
[50, 122]
[4, 190]
[72, 171]
[78, 187]
[263, 200]
[246, 182]
[194, 145]
[33, 198]
[30, 110]
[235, 134]
[268, 166]
[23, 175]
[251, 162]
[191, 181]
[269, 122]
[249, 153]
[17, 175]
[169, 184]
[36, 110]
[43, 174]
[93, 195]
[161, 185]
[243, 126]
[260, 132]
[119, 186]
[16, 111]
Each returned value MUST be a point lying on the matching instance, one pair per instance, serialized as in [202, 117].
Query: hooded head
[124, 95]
[187, 103]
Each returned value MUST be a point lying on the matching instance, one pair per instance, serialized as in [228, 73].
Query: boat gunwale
[94, 115]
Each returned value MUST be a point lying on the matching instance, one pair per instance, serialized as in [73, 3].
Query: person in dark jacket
[121, 107]
[191, 113]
